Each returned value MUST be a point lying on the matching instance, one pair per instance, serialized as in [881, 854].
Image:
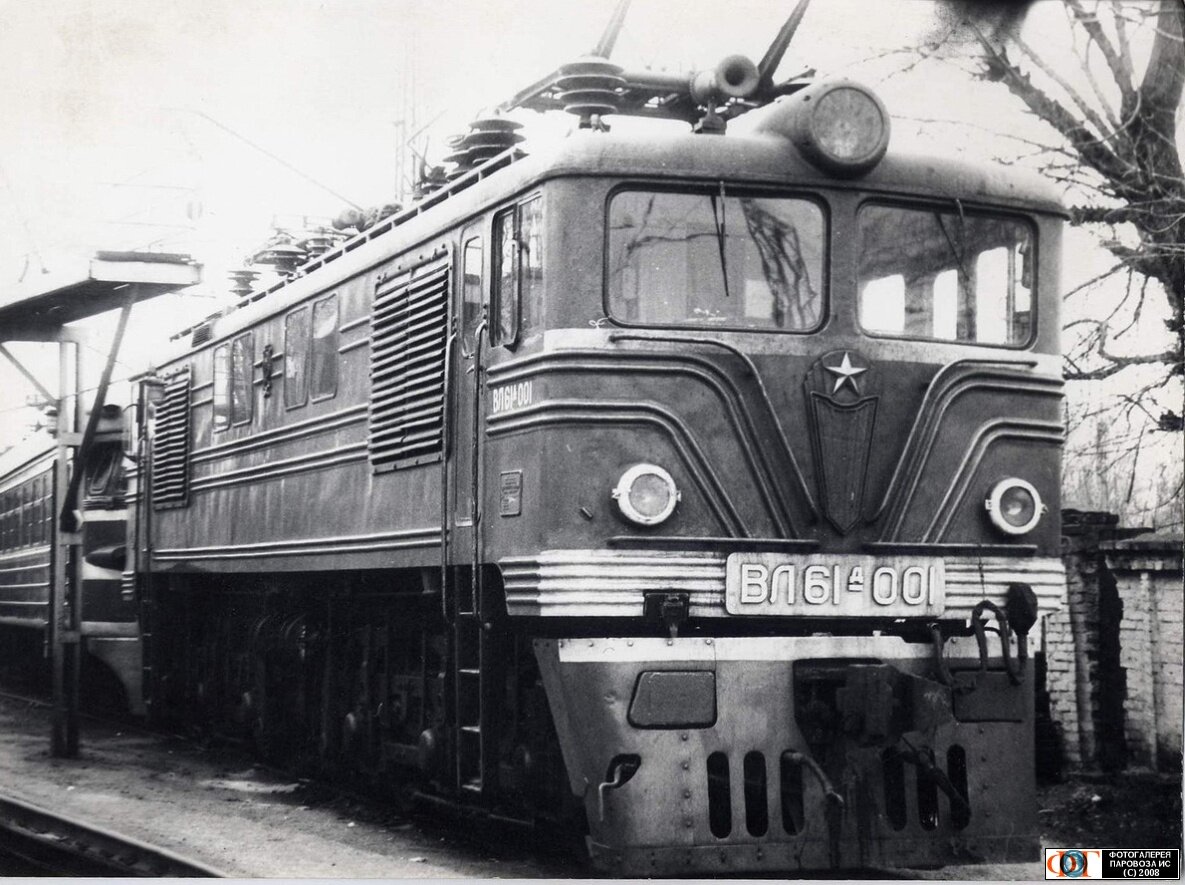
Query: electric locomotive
[700, 488]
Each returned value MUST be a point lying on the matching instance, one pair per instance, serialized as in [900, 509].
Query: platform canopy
[96, 285]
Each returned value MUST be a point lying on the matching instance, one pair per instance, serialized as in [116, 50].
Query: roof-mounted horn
[593, 86]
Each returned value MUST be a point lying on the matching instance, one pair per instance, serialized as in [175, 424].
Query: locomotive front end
[779, 495]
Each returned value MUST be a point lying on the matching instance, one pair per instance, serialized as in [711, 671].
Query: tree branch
[1101, 126]
[1052, 112]
[1119, 61]
[1105, 214]
[1093, 281]
[1164, 79]
[1117, 364]
[1125, 49]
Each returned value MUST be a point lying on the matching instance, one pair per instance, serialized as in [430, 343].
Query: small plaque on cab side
[510, 502]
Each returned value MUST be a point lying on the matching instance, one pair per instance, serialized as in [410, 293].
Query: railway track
[39, 842]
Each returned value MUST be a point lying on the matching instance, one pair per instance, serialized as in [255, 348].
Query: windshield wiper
[956, 251]
[719, 220]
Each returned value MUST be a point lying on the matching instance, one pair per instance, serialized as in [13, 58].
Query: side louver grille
[409, 330]
[201, 334]
[170, 456]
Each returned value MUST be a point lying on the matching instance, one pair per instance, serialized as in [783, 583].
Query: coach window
[325, 336]
[242, 360]
[471, 277]
[47, 514]
[41, 508]
[504, 330]
[11, 516]
[27, 514]
[296, 357]
[34, 511]
[222, 387]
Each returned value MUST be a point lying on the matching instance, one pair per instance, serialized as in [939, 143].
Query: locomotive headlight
[840, 126]
[646, 494]
[1014, 506]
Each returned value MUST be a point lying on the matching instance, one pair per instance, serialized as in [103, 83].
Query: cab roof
[761, 158]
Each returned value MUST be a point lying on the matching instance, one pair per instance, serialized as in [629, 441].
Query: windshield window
[945, 275]
[715, 259]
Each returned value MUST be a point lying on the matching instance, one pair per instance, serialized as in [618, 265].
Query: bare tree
[1116, 125]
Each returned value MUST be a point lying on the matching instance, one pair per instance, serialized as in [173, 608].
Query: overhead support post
[28, 376]
[65, 636]
[41, 312]
[69, 552]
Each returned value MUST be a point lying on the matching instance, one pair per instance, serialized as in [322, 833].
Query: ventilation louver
[409, 331]
[201, 334]
[170, 455]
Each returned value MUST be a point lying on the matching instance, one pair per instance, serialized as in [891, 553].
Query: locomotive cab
[771, 457]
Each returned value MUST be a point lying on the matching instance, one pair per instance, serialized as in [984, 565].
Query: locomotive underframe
[363, 678]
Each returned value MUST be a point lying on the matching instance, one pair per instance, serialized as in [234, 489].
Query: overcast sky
[128, 121]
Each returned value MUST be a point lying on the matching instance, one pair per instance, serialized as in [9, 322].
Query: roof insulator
[241, 281]
[284, 257]
[590, 87]
[487, 137]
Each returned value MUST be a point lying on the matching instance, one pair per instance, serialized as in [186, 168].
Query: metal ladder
[470, 705]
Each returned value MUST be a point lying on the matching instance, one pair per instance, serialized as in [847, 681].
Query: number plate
[835, 585]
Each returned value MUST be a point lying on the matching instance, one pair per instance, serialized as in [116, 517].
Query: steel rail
[61, 844]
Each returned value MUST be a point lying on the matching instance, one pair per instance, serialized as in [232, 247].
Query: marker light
[1014, 506]
[646, 494]
[840, 126]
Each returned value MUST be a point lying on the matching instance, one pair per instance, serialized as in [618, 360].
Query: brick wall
[1068, 647]
[1114, 653]
[1148, 573]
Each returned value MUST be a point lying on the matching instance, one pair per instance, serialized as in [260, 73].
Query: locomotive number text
[510, 396]
[839, 585]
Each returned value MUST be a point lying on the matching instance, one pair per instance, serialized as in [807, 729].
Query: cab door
[465, 383]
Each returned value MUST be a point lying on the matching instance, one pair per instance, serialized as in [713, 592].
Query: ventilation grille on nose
[898, 775]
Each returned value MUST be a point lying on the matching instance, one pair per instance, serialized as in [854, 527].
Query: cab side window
[222, 387]
[471, 279]
[325, 342]
[530, 236]
[518, 270]
[504, 330]
[242, 359]
[297, 332]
